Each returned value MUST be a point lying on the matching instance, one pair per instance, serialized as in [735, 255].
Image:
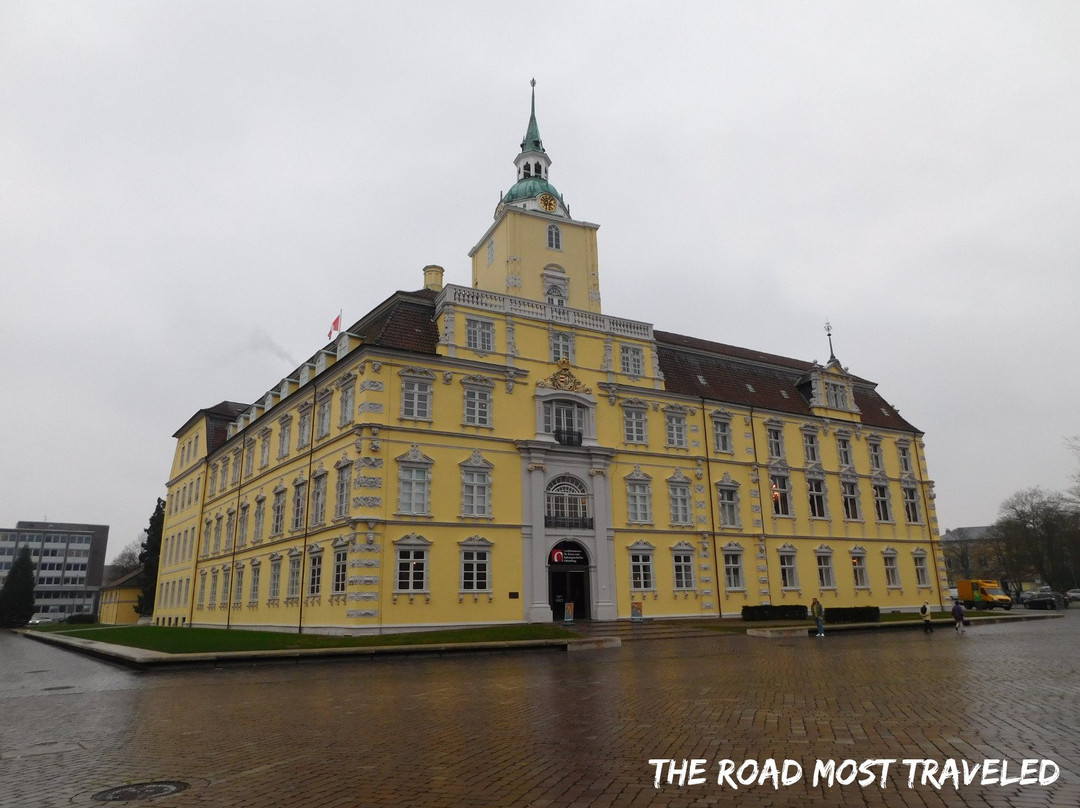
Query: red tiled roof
[748, 378]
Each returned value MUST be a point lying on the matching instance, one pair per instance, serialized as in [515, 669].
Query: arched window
[528, 170]
[567, 503]
[536, 169]
[556, 296]
[554, 237]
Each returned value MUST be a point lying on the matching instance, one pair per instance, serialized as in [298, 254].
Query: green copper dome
[530, 188]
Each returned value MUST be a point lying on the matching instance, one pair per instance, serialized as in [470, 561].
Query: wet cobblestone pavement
[553, 728]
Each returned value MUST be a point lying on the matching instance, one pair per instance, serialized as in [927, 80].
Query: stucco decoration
[564, 379]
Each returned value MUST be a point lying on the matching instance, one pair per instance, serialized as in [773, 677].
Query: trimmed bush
[81, 618]
[793, 611]
[853, 614]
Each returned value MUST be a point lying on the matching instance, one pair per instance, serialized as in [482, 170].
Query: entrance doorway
[568, 581]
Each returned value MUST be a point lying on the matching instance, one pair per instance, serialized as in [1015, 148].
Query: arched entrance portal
[568, 580]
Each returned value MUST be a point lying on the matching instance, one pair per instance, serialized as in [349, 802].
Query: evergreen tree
[148, 557]
[17, 593]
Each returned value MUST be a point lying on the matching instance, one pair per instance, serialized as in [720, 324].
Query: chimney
[433, 277]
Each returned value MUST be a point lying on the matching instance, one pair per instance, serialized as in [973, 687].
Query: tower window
[554, 237]
[528, 170]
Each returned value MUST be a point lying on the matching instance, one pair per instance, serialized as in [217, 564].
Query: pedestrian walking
[817, 611]
[925, 612]
[958, 616]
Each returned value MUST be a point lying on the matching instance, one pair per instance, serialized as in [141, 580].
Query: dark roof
[219, 414]
[405, 321]
[749, 378]
[128, 579]
[967, 533]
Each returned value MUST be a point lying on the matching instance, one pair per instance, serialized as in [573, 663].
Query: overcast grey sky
[189, 192]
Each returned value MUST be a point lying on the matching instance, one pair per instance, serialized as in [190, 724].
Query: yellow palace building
[506, 452]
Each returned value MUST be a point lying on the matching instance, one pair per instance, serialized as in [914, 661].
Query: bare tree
[1041, 531]
[127, 560]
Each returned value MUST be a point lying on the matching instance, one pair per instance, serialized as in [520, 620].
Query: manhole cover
[140, 791]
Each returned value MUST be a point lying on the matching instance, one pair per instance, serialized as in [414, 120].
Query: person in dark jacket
[958, 616]
[817, 611]
[925, 612]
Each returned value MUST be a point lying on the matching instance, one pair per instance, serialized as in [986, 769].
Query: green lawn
[194, 640]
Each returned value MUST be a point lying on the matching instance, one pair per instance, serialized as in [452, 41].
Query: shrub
[792, 611]
[81, 618]
[853, 614]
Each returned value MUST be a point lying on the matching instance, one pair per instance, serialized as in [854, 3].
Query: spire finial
[532, 83]
[828, 330]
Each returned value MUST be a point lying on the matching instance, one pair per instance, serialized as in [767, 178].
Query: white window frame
[323, 409]
[314, 577]
[860, 575]
[342, 486]
[722, 437]
[849, 495]
[683, 559]
[299, 499]
[843, 450]
[476, 482]
[922, 569]
[774, 440]
[642, 568]
[274, 592]
[817, 497]
[789, 568]
[554, 237]
[292, 582]
[414, 483]
[411, 567]
[912, 512]
[734, 573]
[560, 343]
[727, 497]
[811, 451]
[675, 429]
[474, 566]
[318, 498]
[478, 400]
[877, 456]
[780, 492]
[416, 396]
[892, 568]
[284, 436]
[277, 512]
[826, 571]
[253, 584]
[480, 335]
[635, 424]
[341, 571]
[260, 519]
[882, 503]
[680, 500]
[638, 497]
[348, 401]
[632, 361]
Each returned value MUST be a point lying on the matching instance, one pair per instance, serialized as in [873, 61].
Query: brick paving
[551, 728]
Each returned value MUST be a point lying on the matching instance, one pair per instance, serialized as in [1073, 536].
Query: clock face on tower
[547, 202]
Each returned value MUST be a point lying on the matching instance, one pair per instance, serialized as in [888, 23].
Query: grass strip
[195, 640]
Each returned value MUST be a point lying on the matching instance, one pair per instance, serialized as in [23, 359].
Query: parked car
[1073, 595]
[41, 618]
[1046, 600]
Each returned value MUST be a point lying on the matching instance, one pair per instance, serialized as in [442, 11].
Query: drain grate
[140, 791]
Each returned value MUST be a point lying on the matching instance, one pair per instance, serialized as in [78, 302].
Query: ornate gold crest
[564, 379]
